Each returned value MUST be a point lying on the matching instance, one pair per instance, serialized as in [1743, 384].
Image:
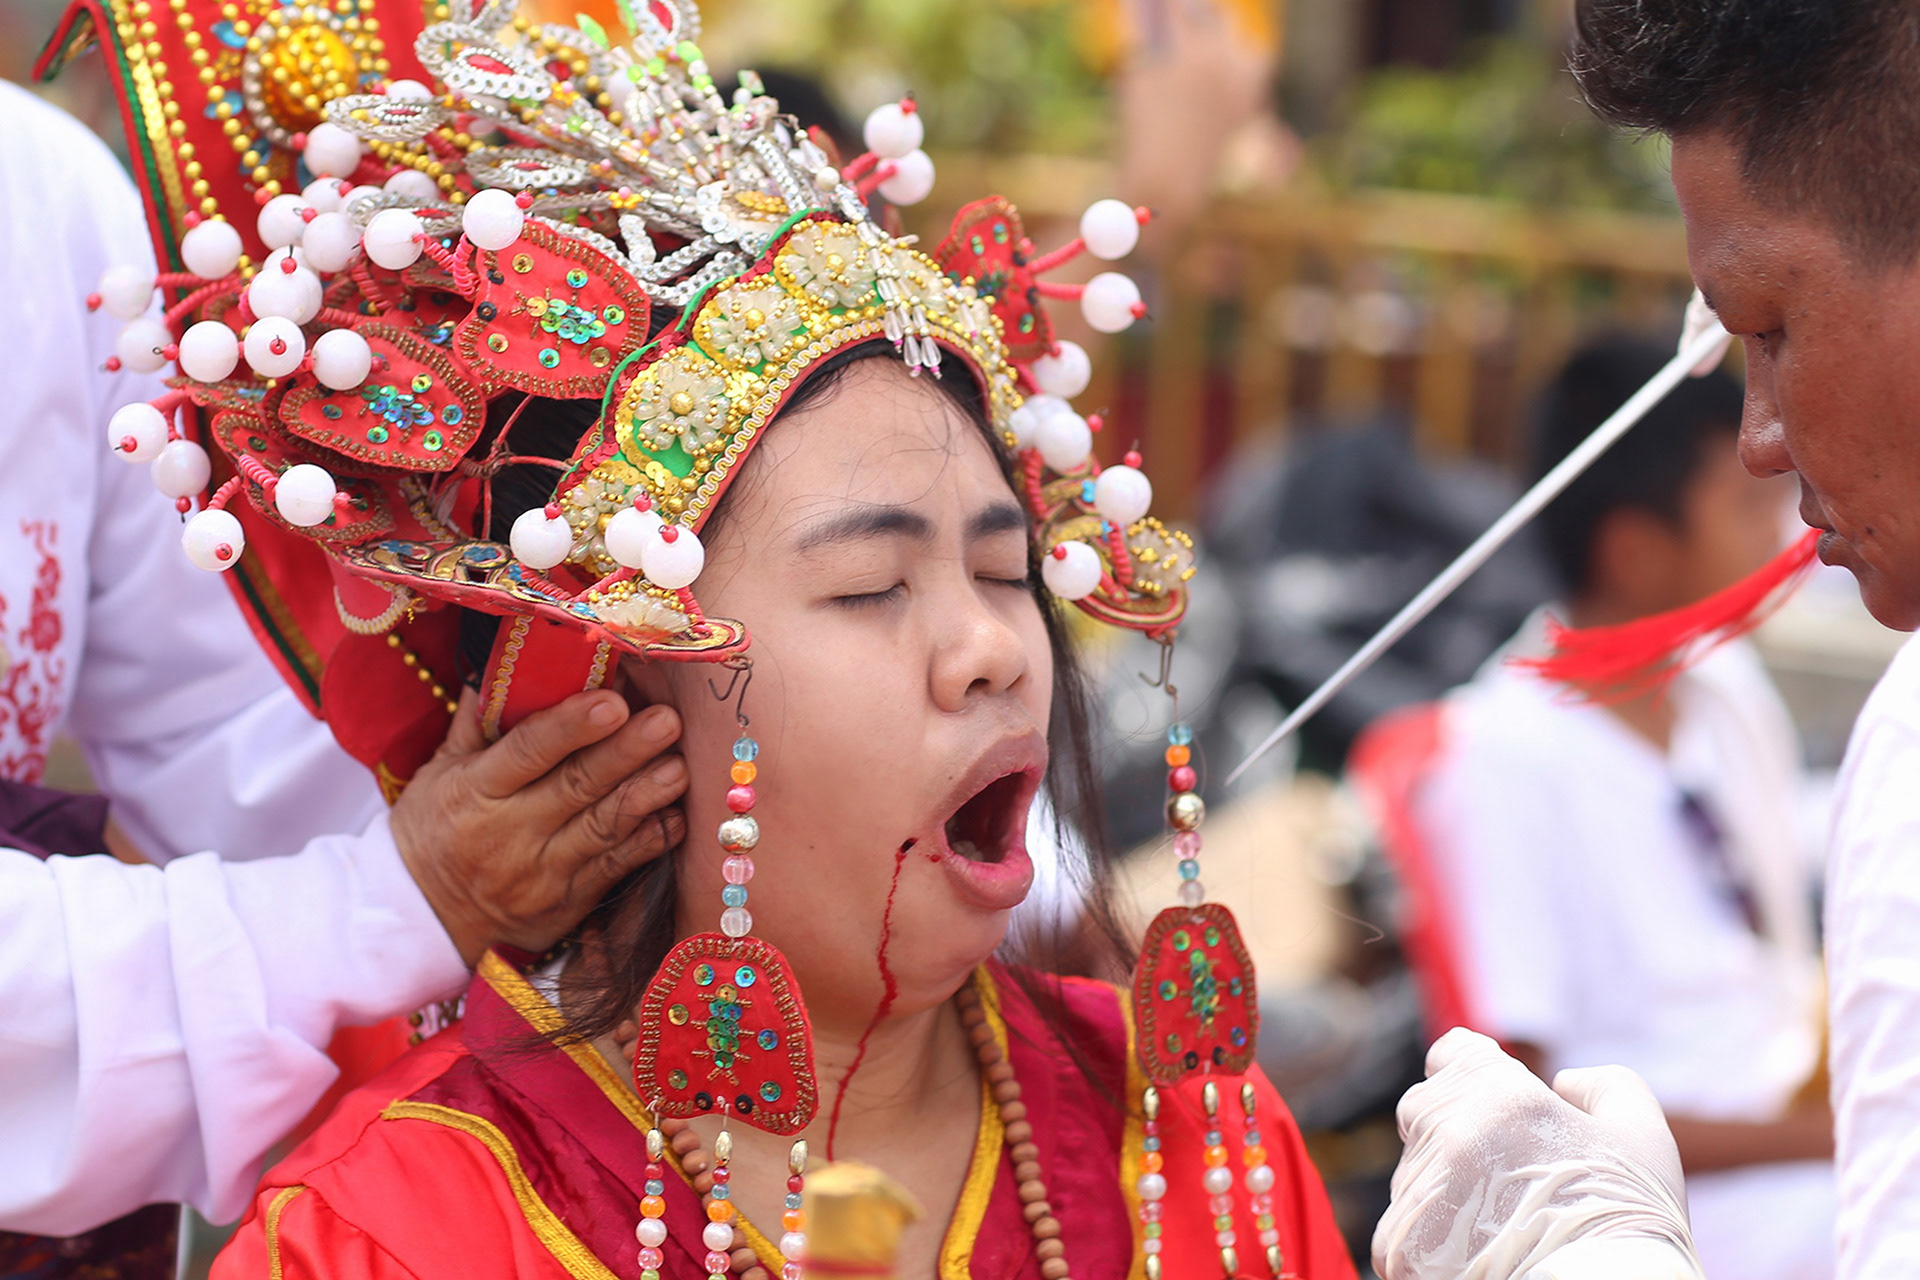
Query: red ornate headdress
[375, 222]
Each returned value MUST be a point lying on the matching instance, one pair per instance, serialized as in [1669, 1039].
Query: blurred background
[1382, 225]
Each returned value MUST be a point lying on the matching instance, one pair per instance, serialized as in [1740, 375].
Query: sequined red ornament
[1194, 1003]
[723, 1022]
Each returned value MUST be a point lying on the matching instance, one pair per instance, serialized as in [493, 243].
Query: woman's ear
[642, 684]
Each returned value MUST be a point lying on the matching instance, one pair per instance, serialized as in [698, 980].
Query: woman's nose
[978, 653]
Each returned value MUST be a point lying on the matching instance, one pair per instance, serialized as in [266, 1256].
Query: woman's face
[901, 685]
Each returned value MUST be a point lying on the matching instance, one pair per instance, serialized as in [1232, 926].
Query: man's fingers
[660, 832]
[615, 818]
[593, 772]
[536, 746]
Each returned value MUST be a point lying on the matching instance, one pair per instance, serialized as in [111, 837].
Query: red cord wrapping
[1633, 659]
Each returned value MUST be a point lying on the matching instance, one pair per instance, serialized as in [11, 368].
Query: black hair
[1817, 96]
[634, 923]
[1649, 469]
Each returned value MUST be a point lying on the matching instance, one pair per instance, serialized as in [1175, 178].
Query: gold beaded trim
[412, 659]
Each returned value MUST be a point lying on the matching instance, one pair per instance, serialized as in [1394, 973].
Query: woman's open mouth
[983, 843]
[978, 831]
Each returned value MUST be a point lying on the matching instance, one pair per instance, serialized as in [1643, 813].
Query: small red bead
[796, 1183]
[1182, 778]
[740, 799]
[721, 1175]
[1132, 459]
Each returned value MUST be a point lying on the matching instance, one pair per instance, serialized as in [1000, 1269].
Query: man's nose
[1763, 443]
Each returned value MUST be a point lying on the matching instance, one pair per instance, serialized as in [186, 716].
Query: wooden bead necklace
[1029, 1180]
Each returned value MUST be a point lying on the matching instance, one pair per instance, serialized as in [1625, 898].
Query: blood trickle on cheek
[890, 988]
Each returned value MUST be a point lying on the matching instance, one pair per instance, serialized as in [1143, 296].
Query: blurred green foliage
[996, 75]
[1507, 124]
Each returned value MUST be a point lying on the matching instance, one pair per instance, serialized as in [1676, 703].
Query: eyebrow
[874, 520]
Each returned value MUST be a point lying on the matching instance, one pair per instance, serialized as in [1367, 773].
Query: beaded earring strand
[1194, 1005]
[723, 1028]
[1259, 1180]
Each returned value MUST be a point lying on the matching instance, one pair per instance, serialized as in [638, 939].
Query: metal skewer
[1545, 490]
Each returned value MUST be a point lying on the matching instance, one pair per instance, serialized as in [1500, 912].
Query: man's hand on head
[515, 842]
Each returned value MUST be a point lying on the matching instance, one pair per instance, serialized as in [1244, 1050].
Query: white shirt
[159, 1029]
[1592, 922]
[1873, 968]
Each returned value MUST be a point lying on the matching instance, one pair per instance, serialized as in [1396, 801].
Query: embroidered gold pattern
[275, 1207]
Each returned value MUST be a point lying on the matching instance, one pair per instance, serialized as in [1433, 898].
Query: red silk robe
[486, 1154]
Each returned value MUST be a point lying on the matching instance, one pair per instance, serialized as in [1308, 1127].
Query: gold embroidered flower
[750, 324]
[1162, 557]
[829, 262]
[682, 399]
[641, 617]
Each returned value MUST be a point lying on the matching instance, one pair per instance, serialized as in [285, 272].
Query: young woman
[685, 402]
[905, 672]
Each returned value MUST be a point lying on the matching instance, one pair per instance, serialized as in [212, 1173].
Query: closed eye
[868, 599]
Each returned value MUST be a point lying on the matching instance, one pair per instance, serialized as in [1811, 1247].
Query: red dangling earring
[723, 1028]
[1195, 1008]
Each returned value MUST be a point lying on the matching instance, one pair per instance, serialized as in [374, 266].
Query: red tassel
[1628, 661]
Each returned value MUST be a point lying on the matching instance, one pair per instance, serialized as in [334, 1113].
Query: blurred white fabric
[1873, 969]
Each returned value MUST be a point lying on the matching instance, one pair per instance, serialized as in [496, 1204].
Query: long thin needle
[1530, 505]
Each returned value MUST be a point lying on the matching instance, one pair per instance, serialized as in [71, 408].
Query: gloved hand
[1505, 1179]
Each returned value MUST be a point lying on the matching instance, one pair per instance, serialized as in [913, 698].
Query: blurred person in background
[1624, 881]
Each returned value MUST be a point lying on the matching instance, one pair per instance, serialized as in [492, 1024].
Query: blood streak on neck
[889, 991]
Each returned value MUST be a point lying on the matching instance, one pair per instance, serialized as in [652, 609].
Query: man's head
[1667, 516]
[1796, 157]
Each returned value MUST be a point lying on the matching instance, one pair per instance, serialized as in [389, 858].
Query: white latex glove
[1701, 319]
[1505, 1179]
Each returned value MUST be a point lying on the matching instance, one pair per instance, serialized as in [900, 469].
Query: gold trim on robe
[541, 1220]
